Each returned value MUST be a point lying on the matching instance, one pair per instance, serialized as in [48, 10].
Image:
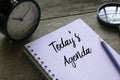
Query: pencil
[110, 54]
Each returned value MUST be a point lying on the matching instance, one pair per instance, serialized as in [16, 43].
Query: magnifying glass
[109, 15]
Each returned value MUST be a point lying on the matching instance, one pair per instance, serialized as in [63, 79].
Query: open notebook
[72, 52]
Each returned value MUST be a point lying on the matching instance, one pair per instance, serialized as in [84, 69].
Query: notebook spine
[39, 63]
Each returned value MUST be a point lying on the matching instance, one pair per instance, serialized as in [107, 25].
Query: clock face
[23, 20]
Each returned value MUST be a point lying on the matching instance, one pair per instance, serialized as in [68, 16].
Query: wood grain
[15, 65]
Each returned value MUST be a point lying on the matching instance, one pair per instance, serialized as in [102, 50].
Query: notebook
[72, 52]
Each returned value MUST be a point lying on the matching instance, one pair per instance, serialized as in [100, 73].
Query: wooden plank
[60, 8]
[15, 65]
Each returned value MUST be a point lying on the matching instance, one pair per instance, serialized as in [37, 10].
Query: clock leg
[2, 23]
[2, 20]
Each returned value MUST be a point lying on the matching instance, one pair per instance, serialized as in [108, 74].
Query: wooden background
[15, 65]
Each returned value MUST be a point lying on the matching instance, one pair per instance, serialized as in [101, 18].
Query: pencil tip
[101, 40]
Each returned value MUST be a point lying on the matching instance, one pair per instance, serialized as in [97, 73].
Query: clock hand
[25, 13]
[19, 19]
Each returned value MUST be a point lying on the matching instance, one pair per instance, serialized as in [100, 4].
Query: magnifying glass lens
[109, 15]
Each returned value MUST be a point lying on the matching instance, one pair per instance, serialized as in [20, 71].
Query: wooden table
[15, 65]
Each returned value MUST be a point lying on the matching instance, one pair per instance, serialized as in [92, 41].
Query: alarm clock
[22, 19]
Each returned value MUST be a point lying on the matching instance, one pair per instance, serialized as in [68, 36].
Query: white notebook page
[91, 63]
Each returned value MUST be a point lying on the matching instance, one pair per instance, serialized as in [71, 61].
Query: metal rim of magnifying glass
[104, 22]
